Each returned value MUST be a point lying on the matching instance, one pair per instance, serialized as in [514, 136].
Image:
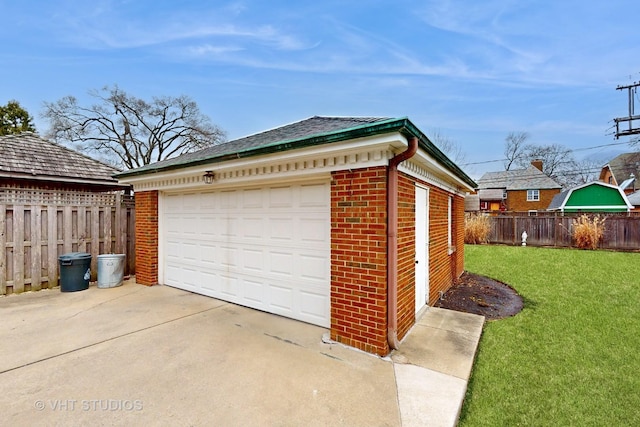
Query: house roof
[530, 178]
[623, 166]
[607, 198]
[558, 200]
[313, 131]
[491, 194]
[628, 183]
[634, 198]
[28, 156]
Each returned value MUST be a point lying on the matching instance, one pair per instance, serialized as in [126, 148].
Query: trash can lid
[111, 255]
[74, 256]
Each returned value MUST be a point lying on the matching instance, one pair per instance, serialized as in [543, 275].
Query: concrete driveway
[137, 355]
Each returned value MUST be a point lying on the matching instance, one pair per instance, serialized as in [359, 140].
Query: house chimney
[538, 164]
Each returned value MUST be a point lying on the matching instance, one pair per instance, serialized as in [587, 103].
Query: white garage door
[266, 247]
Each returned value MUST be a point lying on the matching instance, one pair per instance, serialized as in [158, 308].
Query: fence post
[3, 250]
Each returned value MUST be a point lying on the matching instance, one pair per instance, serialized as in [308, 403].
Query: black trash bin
[75, 271]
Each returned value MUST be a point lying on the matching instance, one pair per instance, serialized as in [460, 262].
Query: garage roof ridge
[313, 131]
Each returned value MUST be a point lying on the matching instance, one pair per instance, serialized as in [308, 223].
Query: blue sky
[470, 70]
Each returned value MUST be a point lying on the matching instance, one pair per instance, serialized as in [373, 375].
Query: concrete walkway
[135, 355]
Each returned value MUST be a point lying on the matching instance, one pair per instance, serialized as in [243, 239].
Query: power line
[567, 151]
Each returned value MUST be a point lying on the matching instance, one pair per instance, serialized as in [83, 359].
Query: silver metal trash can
[110, 270]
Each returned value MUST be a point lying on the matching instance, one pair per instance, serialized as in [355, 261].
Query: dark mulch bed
[477, 294]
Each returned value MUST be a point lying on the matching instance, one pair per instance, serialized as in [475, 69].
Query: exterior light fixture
[208, 177]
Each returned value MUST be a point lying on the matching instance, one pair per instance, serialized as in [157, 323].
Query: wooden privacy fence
[621, 232]
[37, 227]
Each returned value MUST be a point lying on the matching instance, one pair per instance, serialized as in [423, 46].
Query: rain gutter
[392, 241]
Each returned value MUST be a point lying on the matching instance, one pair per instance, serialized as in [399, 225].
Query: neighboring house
[622, 171]
[591, 197]
[348, 223]
[54, 200]
[30, 162]
[519, 190]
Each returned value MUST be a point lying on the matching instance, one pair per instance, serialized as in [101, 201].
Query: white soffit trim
[297, 164]
[424, 167]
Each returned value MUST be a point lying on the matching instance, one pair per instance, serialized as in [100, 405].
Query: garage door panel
[313, 305]
[281, 298]
[252, 229]
[266, 248]
[230, 286]
[253, 260]
[252, 198]
[281, 263]
[228, 257]
[281, 229]
[313, 267]
[314, 230]
[209, 283]
[314, 195]
[280, 197]
[254, 292]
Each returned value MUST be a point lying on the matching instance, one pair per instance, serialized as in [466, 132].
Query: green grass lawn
[572, 356]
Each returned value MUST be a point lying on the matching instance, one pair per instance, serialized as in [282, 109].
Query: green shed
[594, 196]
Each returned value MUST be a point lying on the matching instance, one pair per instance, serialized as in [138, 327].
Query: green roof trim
[371, 127]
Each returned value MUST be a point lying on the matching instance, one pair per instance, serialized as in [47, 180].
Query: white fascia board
[308, 161]
[425, 167]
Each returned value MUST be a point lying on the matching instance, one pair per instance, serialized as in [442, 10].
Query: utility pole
[632, 119]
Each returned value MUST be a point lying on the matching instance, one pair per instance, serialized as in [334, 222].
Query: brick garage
[324, 185]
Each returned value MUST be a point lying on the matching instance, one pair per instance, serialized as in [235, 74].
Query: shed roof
[530, 178]
[313, 131]
[28, 156]
[594, 196]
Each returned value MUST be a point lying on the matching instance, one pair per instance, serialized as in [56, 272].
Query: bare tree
[556, 158]
[586, 170]
[448, 146]
[131, 132]
[514, 148]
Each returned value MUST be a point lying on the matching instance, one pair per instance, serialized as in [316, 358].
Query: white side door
[422, 247]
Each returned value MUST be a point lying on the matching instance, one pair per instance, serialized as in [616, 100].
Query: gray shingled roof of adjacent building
[634, 198]
[530, 178]
[313, 131]
[558, 200]
[28, 156]
[624, 165]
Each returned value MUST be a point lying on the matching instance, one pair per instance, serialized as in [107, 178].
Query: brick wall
[440, 262]
[517, 200]
[457, 266]
[406, 254]
[147, 237]
[359, 259]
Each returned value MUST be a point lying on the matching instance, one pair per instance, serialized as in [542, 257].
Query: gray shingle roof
[313, 131]
[491, 194]
[295, 131]
[27, 155]
[530, 178]
[624, 165]
[558, 200]
[634, 198]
